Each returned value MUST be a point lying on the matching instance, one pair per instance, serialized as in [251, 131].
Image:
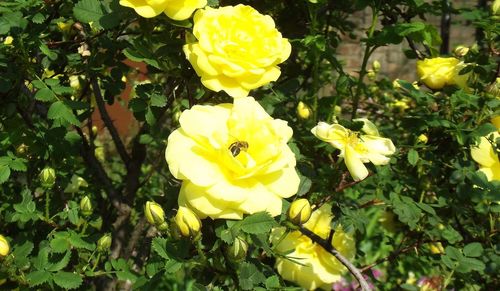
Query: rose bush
[237, 49]
[233, 160]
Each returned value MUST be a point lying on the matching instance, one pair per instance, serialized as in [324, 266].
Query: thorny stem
[325, 244]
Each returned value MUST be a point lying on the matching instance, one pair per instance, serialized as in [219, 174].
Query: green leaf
[59, 245]
[61, 112]
[45, 95]
[404, 29]
[76, 241]
[158, 245]
[158, 100]
[412, 157]
[472, 264]
[88, 10]
[454, 253]
[474, 250]
[258, 223]
[250, 276]
[67, 280]
[273, 282]
[4, 173]
[38, 277]
[61, 264]
[21, 253]
[304, 186]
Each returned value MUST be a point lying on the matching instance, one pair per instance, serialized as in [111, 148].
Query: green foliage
[71, 62]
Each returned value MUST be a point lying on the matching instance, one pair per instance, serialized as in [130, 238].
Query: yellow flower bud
[86, 206]
[460, 51]
[303, 111]
[376, 66]
[21, 149]
[8, 40]
[495, 7]
[74, 82]
[4, 246]
[371, 74]
[395, 84]
[155, 215]
[94, 130]
[104, 243]
[238, 250]
[187, 222]
[422, 138]
[299, 211]
[99, 153]
[436, 248]
[337, 110]
[48, 177]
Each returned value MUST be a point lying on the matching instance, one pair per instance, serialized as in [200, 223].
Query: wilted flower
[357, 148]
[439, 72]
[308, 264]
[4, 246]
[299, 211]
[175, 9]
[155, 215]
[238, 49]
[303, 111]
[48, 177]
[487, 157]
[233, 160]
[188, 223]
[86, 206]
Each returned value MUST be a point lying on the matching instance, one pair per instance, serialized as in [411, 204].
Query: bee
[237, 146]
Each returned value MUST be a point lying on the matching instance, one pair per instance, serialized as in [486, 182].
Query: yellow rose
[357, 148]
[439, 72]
[307, 263]
[8, 40]
[487, 158]
[175, 9]
[238, 49]
[233, 160]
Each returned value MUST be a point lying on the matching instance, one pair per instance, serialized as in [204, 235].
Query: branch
[325, 244]
[109, 123]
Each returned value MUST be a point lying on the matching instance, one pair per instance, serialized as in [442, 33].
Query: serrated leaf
[412, 157]
[42, 260]
[4, 173]
[474, 250]
[258, 223]
[67, 280]
[158, 100]
[172, 266]
[21, 253]
[158, 245]
[88, 11]
[38, 277]
[18, 164]
[61, 264]
[250, 276]
[59, 245]
[60, 111]
[304, 186]
[45, 95]
[78, 242]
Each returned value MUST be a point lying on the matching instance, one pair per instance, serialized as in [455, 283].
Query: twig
[332, 250]
[109, 123]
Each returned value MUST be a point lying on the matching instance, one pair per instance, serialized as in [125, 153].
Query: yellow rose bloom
[436, 73]
[487, 158]
[357, 148]
[233, 160]
[308, 264]
[238, 49]
[4, 246]
[175, 9]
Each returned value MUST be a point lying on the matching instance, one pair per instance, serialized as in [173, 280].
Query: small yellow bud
[187, 222]
[495, 7]
[415, 85]
[104, 243]
[299, 211]
[124, 79]
[371, 74]
[4, 246]
[74, 82]
[86, 206]
[155, 215]
[460, 51]
[21, 149]
[238, 250]
[337, 110]
[99, 153]
[376, 66]
[8, 40]
[94, 130]
[395, 84]
[436, 248]
[303, 111]
[422, 138]
[48, 177]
